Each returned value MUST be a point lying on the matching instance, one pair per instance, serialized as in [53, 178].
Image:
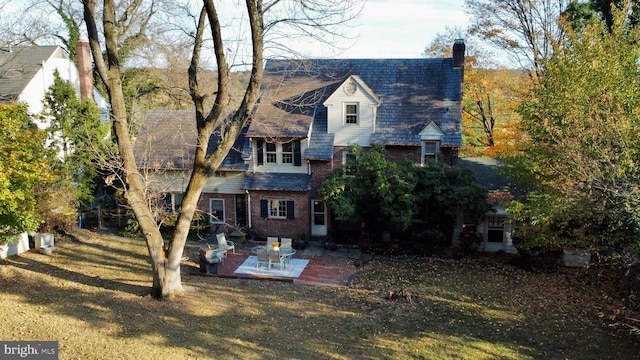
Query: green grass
[90, 296]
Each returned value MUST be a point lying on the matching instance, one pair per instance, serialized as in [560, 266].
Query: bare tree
[527, 30]
[227, 121]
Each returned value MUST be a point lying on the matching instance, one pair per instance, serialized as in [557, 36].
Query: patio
[324, 267]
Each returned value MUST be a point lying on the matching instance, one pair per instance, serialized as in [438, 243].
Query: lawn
[91, 297]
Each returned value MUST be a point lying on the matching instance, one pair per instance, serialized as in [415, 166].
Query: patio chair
[262, 257]
[271, 240]
[224, 244]
[286, 242]
[275, 258]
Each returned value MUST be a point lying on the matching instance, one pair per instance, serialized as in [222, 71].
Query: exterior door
[318, 218]
[241, 210]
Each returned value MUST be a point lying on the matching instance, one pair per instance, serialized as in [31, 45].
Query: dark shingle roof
[19, 65]
[277, 182]
[412, 91]
[168, 138]
[486, 171]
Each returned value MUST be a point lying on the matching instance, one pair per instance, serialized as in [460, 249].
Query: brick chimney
[458, 55]
[85, 69]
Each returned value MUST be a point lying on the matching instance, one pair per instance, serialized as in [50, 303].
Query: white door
[318, 218]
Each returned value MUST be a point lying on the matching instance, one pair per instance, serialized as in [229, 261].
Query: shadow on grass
[226, 318]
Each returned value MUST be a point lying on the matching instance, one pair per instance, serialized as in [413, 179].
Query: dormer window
[430, 151]
[351, 113]
[278, 153]
[271, 153]
[287, 153]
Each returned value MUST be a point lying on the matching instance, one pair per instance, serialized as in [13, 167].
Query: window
[270, 151]
[276, 209]
[287, 153]
[495, 229]
[429, 151]
[216, 211]
[349, 163]
[351, 113]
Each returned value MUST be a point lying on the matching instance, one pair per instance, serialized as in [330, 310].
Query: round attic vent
[350, 88]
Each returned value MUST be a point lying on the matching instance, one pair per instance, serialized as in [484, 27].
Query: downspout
[248, 208]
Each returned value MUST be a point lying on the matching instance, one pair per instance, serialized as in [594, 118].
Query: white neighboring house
[26, 74]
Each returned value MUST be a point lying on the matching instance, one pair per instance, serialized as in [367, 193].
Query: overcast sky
[402, 28]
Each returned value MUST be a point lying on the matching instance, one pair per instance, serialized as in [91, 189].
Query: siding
[346, 134]
[177, 181]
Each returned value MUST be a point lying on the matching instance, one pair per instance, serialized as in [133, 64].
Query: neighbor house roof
[168, 139]
[19, 65]
[486, 171]
[412, 92]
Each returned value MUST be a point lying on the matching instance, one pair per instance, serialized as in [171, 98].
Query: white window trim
[282, 153]
[357, 113]
[267, 153]
[279, 154]
[345, 154]
[211, 218]
[424, 153]
[280, 202]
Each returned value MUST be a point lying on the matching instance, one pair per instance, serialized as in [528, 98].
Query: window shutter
[297, 153]
[290, 210]
[264, 208]
[260, 152]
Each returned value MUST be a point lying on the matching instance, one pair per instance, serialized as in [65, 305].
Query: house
[309, 113]
[26, 74]
[495, 228]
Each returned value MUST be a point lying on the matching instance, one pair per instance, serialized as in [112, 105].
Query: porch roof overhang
[277, 182]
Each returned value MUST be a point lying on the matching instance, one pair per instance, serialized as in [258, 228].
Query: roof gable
[431, 132]
[353, 86]
[20, 64]
[412, 93]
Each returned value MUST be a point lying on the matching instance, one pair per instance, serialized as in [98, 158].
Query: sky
[401, 28]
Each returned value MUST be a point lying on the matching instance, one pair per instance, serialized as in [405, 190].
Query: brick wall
[281, 227]
[229, 206]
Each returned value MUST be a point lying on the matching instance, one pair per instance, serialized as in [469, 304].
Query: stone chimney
[85, 69]
[458, 55]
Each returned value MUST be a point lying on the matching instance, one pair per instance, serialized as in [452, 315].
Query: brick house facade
[310, 112]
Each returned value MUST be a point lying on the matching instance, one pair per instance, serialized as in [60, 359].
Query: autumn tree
[105, 28]
[25, 170]
[581, 160]
[578, 12]
[490, 96]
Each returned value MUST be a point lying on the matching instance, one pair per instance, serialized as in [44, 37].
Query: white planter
[19, 244]
[4, 251]
[576, 258]
[44, 240]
